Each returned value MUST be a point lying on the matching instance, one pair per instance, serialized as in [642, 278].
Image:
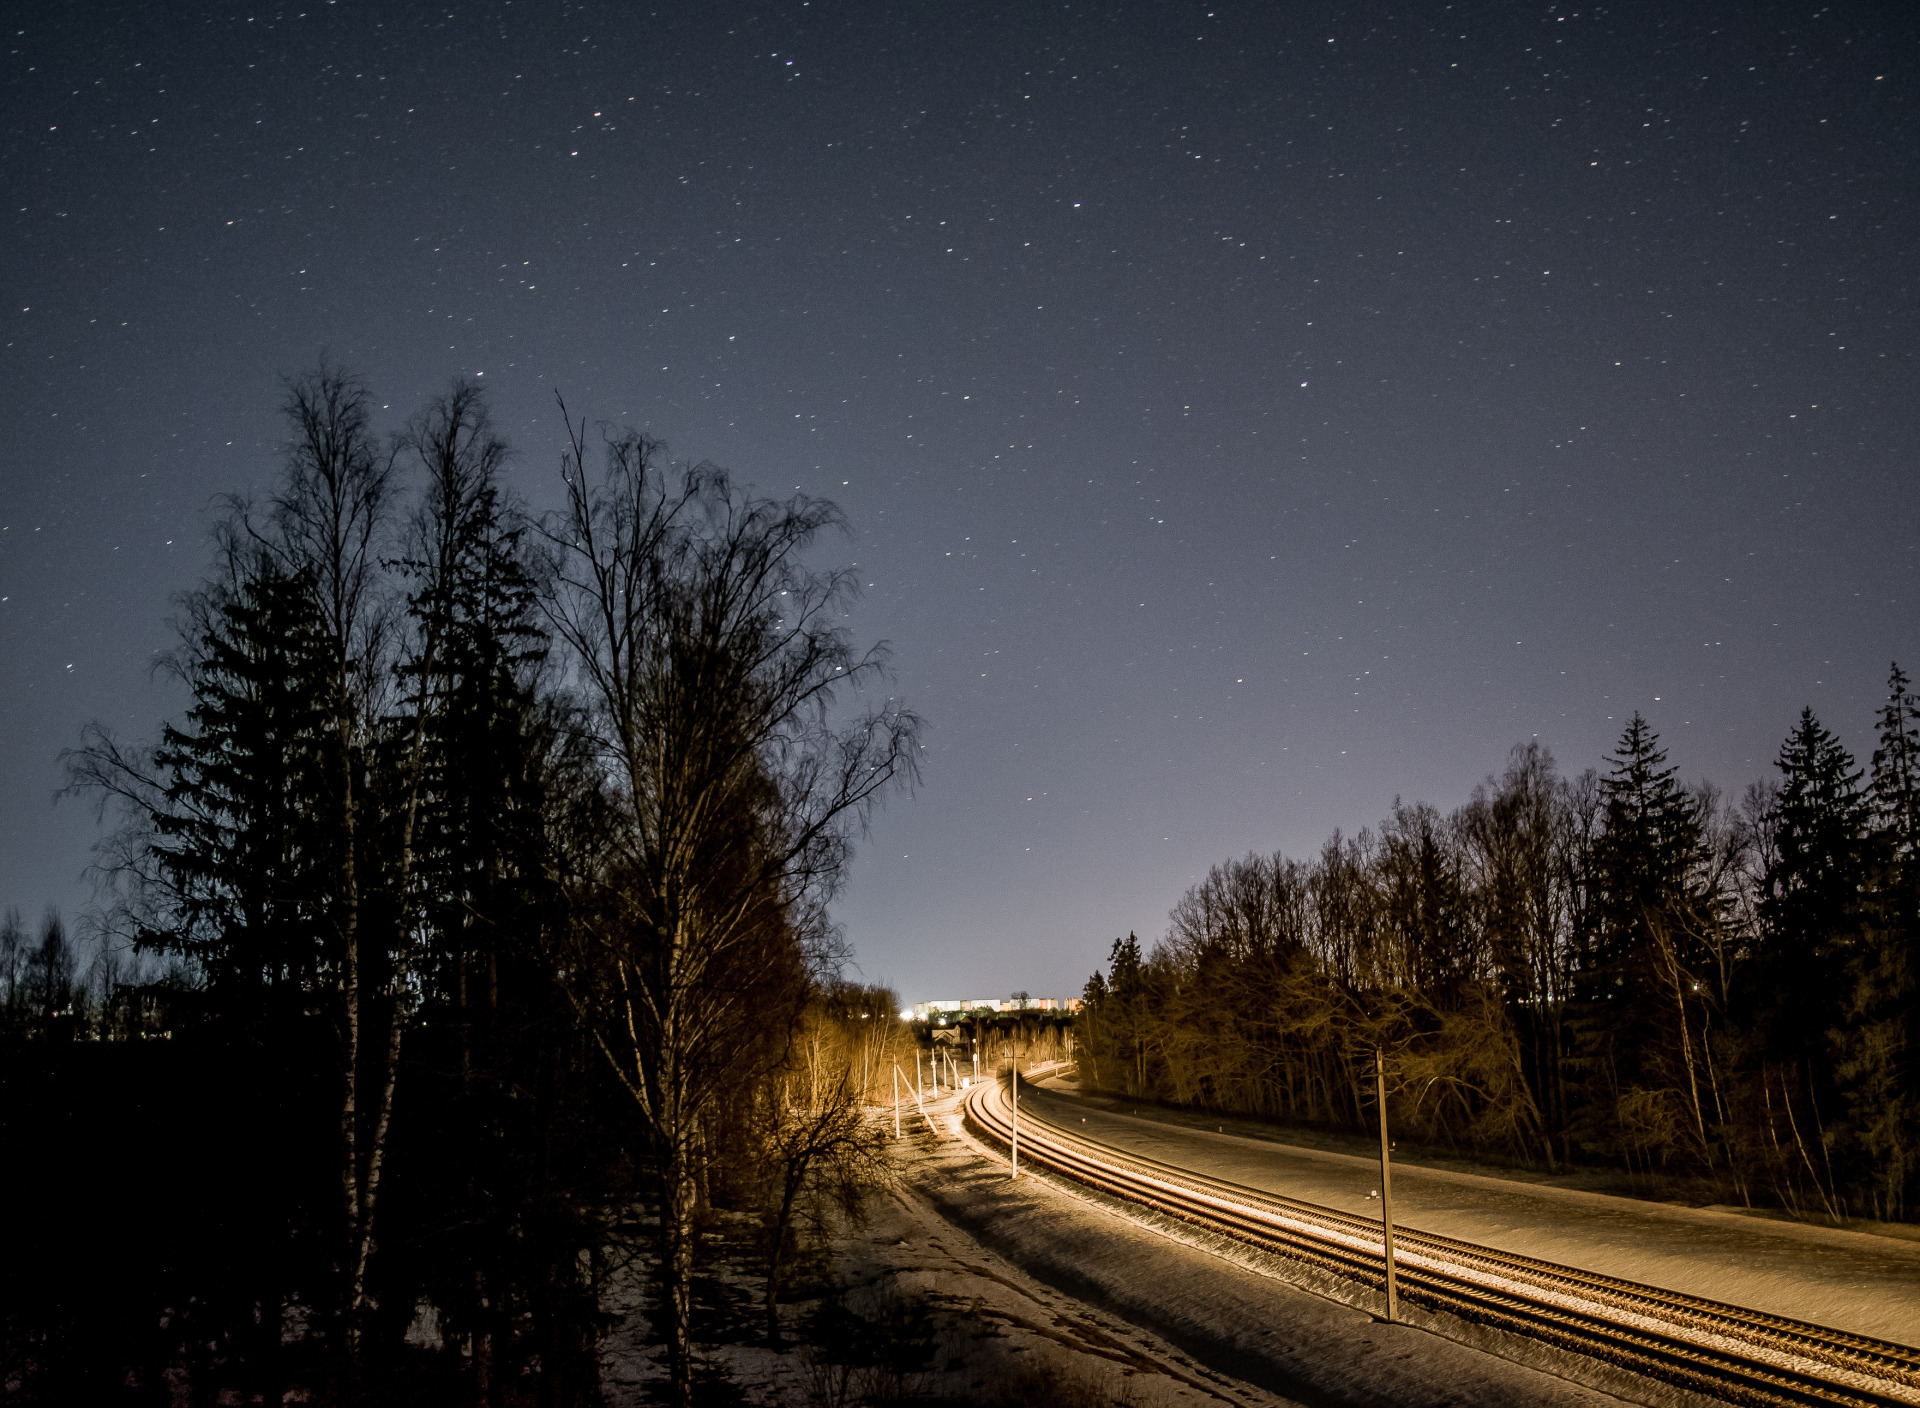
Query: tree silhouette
[711, 660]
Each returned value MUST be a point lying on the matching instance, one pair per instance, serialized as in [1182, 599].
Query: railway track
[1701, 1346]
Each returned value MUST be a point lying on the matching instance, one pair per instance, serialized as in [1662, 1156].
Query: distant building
[934, 1011]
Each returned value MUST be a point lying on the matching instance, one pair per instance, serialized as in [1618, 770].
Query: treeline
[54, 987]
[1610, 968]
[490, 857]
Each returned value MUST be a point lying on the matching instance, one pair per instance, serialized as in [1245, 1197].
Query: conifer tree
[1896, 771]
[258, 836]
[1812, 906]
[1647, 852]
[1638, 1028]
[217, 859]
[1126, 1010]
[469, 696]
[233, 877]
[1876, 1065]
[490, 1232]
[221, 863]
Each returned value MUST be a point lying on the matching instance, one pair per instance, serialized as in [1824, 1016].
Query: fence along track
[1703, 1346]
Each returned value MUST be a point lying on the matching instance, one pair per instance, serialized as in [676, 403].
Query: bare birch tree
[710, 660]
[330, 522]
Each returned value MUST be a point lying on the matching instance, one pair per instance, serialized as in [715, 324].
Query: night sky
[1247, 413]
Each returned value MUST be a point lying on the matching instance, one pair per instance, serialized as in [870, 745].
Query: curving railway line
[1700, 1346]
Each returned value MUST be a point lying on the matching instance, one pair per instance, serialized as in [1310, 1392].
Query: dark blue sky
[1248, 413]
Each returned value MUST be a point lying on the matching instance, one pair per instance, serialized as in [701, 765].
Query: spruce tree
[1876, 1065]
[256, 827]
[1896, 773]
[222, 854]
[1648, 851]
[354, 835]
[1644, 864]
[234, 884]
[470, 695]
[1127, 985]
[1638, 1016]
[491, 1235]
[1813, 902]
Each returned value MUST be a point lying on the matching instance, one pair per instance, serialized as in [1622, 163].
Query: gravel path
[1847, 1280]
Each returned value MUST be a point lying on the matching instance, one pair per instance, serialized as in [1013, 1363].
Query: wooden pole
[1386, 1180]
[896, 1102]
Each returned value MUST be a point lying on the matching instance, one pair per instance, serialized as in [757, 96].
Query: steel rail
[1708, 1347]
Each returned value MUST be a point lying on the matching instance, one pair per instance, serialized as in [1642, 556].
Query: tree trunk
[354, 995]
[376, 1160]
[676, 1272]
[1693, 1077]
[1786, 1099]
[789, 1190]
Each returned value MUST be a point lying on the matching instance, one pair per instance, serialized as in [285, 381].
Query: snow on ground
[999, 1335]
[1037, 1279]
[1225, 1314]
[1843, 1279]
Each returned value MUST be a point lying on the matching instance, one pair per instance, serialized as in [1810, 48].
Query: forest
[464, 944]
[1714, 997]
[464, 950]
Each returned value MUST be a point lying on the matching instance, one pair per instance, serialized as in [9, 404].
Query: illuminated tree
[713, 669]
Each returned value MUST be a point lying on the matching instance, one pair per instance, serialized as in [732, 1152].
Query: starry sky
[1248, 413]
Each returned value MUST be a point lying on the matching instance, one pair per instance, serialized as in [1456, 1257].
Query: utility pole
[1016, 1119]
[1386, 1179]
